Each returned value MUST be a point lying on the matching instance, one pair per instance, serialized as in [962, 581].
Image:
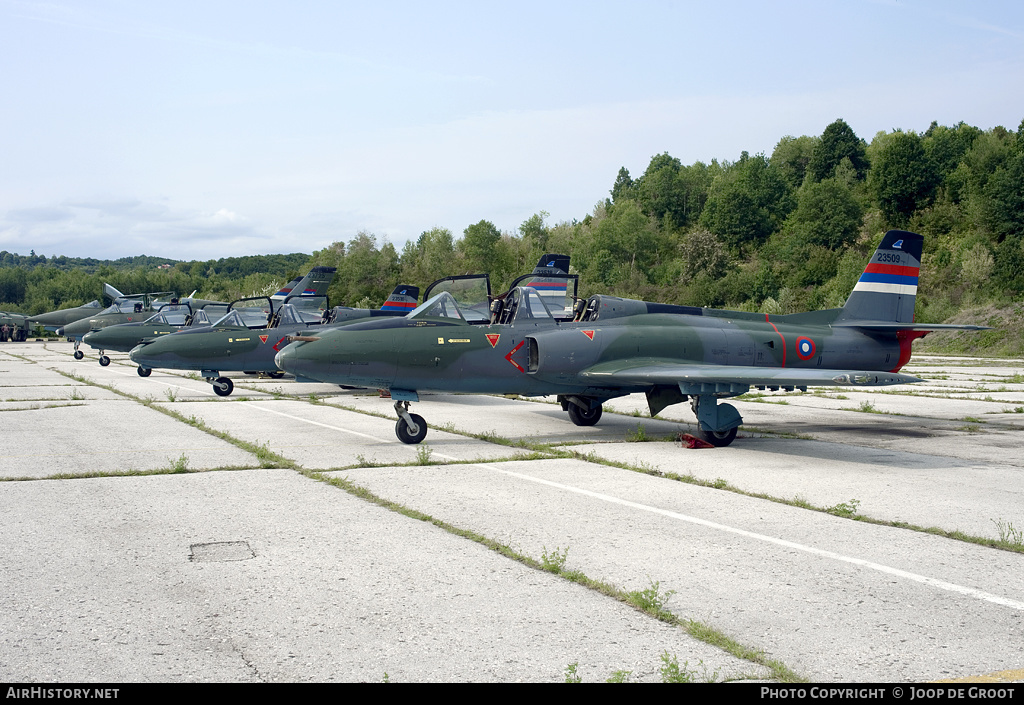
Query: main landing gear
[716, 423]
[583, 411]
[411, 428]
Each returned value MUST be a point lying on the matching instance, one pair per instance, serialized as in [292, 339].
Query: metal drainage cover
[221, 551]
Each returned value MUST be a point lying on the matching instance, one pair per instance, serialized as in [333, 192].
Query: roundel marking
[804, 348]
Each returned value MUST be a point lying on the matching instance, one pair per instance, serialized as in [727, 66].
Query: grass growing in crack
[844, 509]
[554, 562]
[571, 676]
[619, 676]
[1008, 533]
[672, 672]
[637, 436]
[651, 600]
[180, 465]
[423, 453]
[267, 457]
[170, 394]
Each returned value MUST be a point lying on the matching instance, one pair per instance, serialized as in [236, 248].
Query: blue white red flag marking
[889, 279]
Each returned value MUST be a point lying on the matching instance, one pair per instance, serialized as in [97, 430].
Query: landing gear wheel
[719, 439]
[104, 360]
[223, 386]
[403, 433]
[584, 418]
[275, 375]
[144, 371]
[79, 354]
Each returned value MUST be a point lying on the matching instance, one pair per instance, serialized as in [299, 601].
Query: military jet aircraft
[234, 344]
[248, 337]
[617, 346]
[140, 307]
[57, 319]
[169, 319]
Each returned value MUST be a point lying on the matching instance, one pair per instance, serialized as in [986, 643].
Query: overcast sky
[199, 130]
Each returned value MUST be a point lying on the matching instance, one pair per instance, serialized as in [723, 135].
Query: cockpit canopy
[441, 305]
[519, 305]
[172, 315]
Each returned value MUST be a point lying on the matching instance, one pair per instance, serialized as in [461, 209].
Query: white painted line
[259, 406]
[941, 584]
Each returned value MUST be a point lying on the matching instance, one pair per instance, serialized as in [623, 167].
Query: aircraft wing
[690, 377]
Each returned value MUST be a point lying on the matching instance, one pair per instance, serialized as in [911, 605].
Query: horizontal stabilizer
[887, 327]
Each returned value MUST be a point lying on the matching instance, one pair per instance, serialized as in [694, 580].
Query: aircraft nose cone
[294, 360]
[285, 358]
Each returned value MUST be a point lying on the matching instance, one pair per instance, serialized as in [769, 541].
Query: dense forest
[34, 284]
[777, 233]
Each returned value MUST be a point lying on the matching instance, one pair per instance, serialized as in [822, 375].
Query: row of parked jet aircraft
[537, 339]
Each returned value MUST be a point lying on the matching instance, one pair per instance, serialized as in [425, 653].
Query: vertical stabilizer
[403, 298]
[552, 264]
[887, 289]
[313, 284]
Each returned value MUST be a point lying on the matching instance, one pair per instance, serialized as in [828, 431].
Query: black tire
[402, 430]
[584, 418]
[104, 360]
[717, 439]
[223, 386]
[276, 375]
[144, 371]
[79, 354]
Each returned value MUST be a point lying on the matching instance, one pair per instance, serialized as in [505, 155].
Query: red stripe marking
[898, 269]
[780, 338]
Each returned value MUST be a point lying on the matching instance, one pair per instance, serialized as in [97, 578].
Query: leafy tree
[827, 214]
[791, 157]
[477, 245]
[838, 142]
[902, 179]
[672, 193]
[747, 203]
[623, 186]
[700, 252]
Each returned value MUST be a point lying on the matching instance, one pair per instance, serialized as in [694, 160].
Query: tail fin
[313, 284]
[552, 264]
[887, 289]
[285, 291]
[403, 298]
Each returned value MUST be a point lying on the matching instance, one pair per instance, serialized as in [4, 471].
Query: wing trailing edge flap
[732, 379]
